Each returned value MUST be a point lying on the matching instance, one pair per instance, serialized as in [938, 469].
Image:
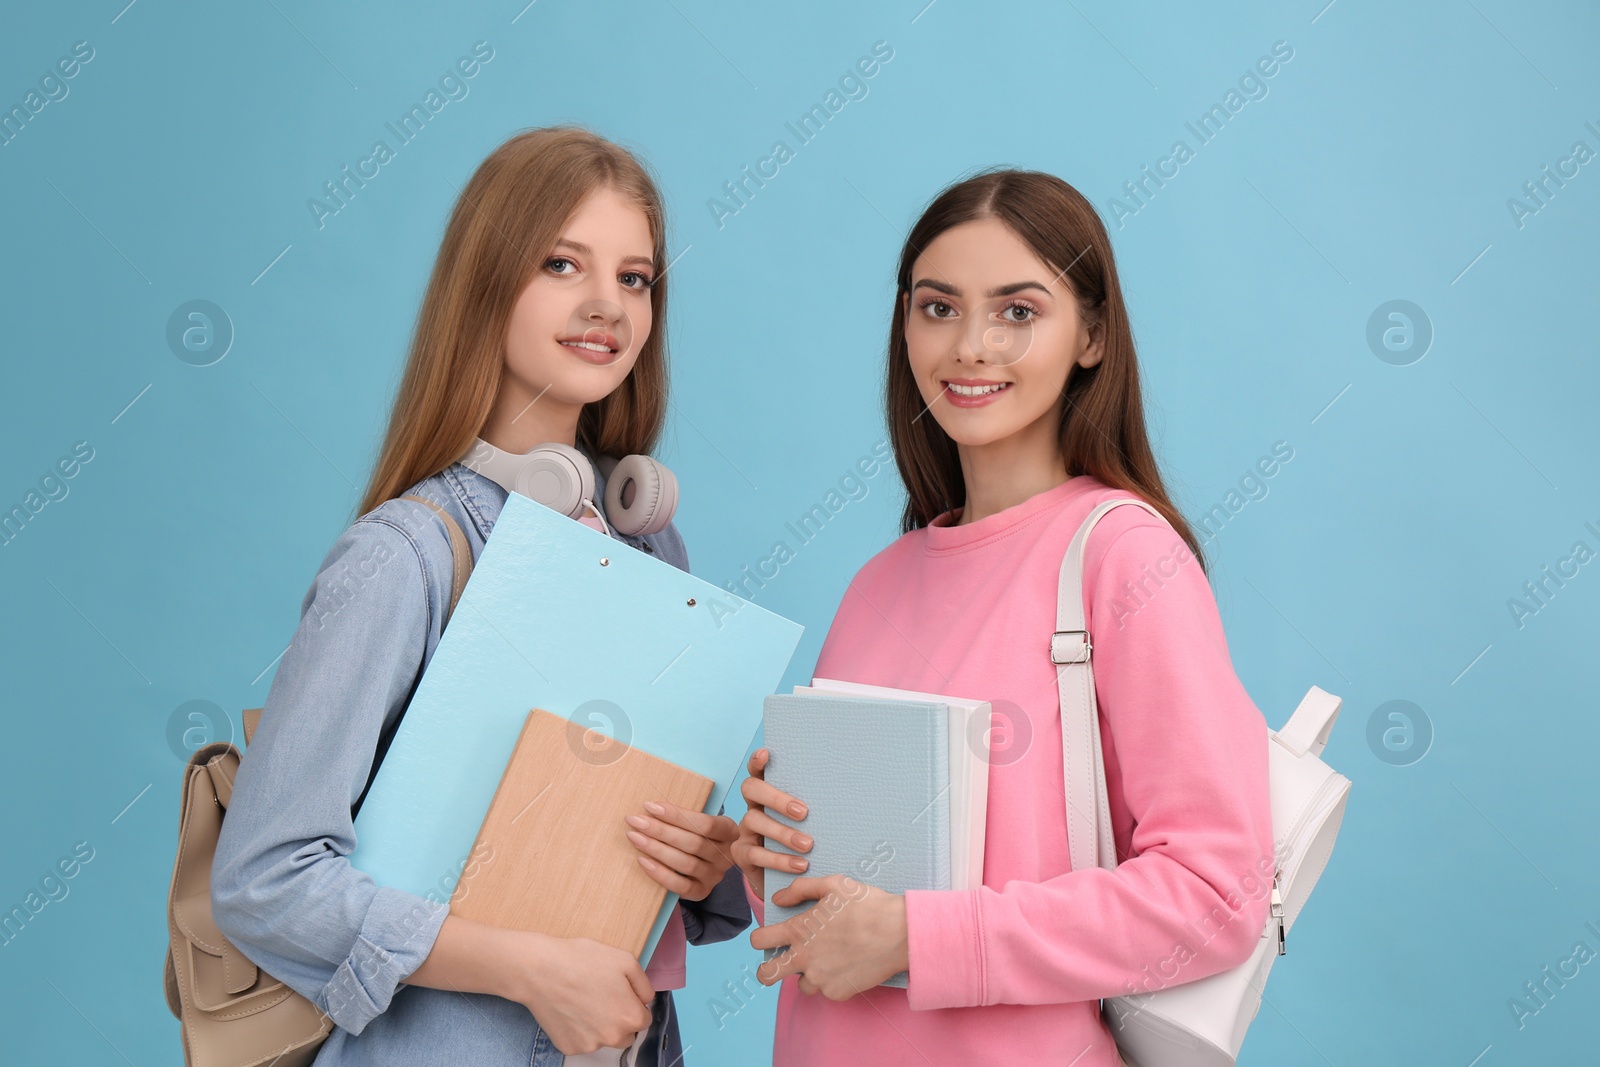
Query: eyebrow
[999, 290]
[579, 246]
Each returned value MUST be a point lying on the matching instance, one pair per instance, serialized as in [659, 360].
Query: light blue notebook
[875, 777]
[633, 647]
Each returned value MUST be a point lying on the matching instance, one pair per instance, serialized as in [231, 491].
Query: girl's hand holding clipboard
[686, 851]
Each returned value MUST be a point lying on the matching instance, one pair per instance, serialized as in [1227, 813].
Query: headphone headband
[561, 477]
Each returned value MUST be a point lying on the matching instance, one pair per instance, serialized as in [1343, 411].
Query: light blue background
[1379, 565]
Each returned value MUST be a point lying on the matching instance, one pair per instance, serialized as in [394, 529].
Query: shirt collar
[482, 497]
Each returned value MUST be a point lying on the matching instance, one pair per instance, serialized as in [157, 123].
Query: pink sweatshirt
[666, 967]
[1011, 972]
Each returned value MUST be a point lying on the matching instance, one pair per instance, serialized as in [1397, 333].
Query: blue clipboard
[561, 617]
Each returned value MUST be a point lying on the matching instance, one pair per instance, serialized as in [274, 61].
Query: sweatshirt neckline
[942, 536]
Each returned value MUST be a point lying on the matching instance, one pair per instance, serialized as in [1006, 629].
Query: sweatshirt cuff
[944, 936]
[395, 937]
[693, 925]
[758, 907]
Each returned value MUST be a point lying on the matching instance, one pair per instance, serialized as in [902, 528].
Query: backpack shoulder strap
[460, 553]
[461, 560]
[1089, 835]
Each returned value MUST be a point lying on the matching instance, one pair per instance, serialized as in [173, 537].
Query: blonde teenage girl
[543, 324]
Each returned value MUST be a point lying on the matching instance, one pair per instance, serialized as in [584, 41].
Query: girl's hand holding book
[587, 996]
[856, 935]
[749, 851]
[686, 851]
[584, 994]
[849, 942]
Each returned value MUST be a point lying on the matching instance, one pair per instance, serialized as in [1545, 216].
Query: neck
[1004, 473]
[522, 420]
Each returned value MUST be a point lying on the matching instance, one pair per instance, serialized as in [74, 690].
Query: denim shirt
[283, 889]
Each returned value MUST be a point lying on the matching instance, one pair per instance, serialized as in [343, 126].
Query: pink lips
[594, 337]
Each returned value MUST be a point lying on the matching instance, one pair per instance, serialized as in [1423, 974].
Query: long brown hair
[1102, 429]
[503, 227]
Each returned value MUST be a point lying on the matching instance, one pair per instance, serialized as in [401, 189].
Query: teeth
[975, 390]
[590, 345]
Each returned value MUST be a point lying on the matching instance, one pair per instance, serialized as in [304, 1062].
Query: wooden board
[552, 855]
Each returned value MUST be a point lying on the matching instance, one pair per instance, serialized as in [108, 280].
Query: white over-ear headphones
[641, 493]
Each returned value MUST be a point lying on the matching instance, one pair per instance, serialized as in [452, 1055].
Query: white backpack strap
[1083, 768]
[1308, 728]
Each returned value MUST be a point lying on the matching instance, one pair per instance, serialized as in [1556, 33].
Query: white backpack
[1199, 1023]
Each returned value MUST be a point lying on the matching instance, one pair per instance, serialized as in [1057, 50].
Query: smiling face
[991, 333]
[578, 325]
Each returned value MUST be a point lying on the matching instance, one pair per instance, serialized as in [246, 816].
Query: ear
[1096, 349]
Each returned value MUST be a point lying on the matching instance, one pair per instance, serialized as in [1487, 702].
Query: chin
[979, 440]
[577, 378]
[970, 433]
[591, 393]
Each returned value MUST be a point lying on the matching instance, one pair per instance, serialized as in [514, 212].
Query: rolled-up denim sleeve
[283, 889]
[721, 915]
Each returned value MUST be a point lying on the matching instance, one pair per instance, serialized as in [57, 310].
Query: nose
[970, 346]
[601, 311]
[994, 344]
[605, 321]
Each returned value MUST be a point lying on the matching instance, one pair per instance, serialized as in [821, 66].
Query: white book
[969, 769]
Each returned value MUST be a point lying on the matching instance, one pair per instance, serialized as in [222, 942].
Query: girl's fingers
[758, 763]
[747, 789]
[760, 793]
[690, 866]
[759, 822]
[688, 841]
[697, 823]
[671, 879]
[776, 861]
[773, 971]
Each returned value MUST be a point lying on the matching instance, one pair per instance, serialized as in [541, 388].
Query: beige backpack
[233, 1013]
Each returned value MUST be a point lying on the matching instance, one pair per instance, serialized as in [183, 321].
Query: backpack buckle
[1070, 646]
[1275, 910]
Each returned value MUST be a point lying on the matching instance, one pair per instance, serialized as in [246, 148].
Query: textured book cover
[552, 856]
[875, 777]
[971, 726]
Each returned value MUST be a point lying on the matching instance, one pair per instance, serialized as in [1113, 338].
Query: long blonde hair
[502, 229]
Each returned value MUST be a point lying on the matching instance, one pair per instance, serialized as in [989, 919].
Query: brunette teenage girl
[1014, 408]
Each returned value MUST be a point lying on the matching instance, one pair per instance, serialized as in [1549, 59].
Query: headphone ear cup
[654, 496]
[557, 476]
